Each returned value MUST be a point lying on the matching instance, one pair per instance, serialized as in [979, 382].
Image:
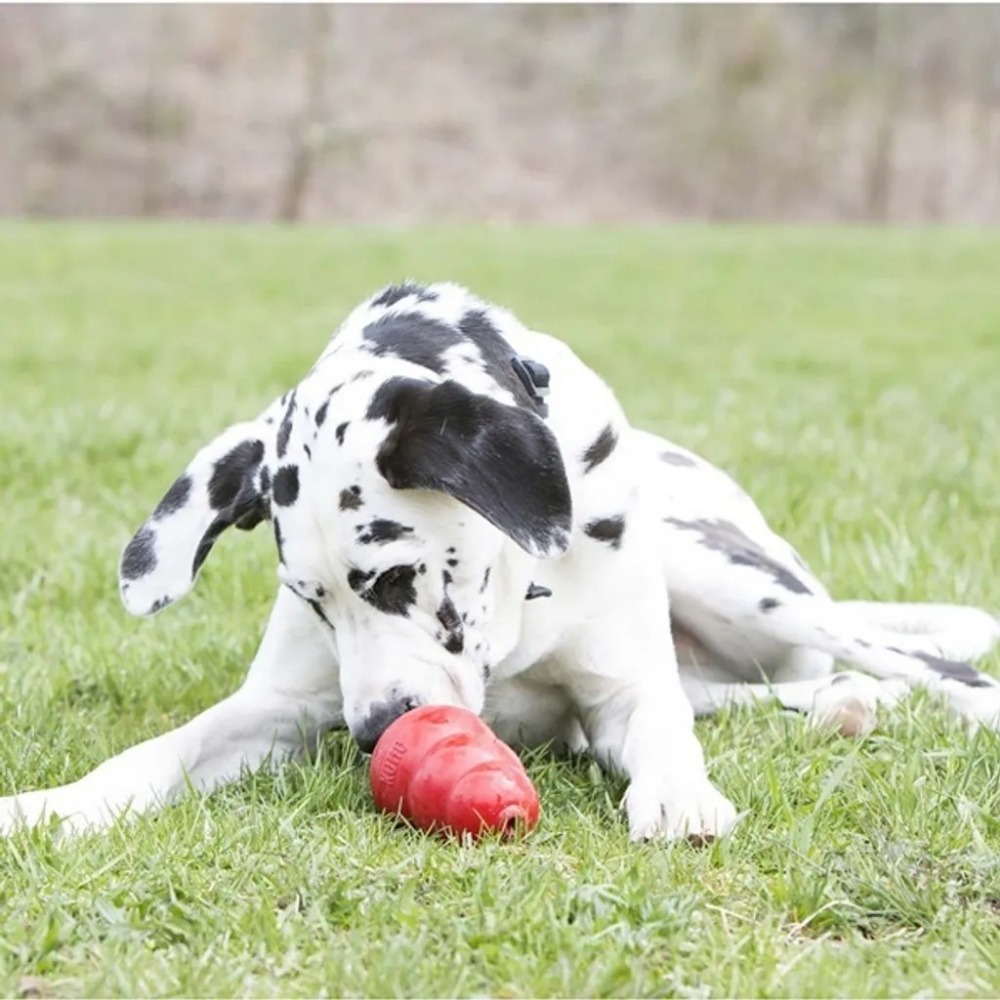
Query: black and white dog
[463, 515]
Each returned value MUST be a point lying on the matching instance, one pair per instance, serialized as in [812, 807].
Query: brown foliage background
[400, 114]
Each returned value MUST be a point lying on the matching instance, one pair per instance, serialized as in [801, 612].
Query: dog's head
[393, 493]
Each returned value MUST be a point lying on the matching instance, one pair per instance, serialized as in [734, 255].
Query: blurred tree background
[411, 113]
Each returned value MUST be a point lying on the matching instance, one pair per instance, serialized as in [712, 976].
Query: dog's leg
[801, 680]
[621, 672]
[526, 714]
[846, 702]
[805, 621]
[955, 632]
[745, 604]
[806, 624]
[291, 695]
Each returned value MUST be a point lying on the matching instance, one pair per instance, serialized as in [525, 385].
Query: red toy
[442, 768]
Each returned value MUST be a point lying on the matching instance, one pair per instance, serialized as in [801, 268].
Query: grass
[849, 378]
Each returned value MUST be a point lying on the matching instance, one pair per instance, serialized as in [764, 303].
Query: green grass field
[850, 379]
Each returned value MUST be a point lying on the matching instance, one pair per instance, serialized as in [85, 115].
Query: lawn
[849, 378]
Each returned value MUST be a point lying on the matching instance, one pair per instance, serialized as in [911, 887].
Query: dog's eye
[391, 577]
[391, 591]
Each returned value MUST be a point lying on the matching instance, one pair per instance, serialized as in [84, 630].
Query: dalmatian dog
[462, 514]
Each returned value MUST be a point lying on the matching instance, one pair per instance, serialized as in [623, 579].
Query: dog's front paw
[18, 811]
[659, 810]
[30, 809]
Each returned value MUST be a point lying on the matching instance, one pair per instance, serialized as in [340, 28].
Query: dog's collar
[535, 377]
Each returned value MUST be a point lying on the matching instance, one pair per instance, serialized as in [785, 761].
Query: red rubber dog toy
[442, 768]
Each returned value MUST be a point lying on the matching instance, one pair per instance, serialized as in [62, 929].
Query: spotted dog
[462, 514]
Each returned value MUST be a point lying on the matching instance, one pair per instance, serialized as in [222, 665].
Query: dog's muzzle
[382, 715]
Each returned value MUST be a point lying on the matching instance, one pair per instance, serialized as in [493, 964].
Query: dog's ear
[226, 483]
[502, 461]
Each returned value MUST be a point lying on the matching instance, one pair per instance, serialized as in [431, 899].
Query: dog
[462, 514]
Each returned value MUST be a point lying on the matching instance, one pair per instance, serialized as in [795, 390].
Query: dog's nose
[381, 716]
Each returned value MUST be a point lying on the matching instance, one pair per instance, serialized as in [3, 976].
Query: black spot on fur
[229, 472]
[607, 529]
[248, 509]
[286, 485]
[392, 591]
[321, 412]
[158, 605]
[385, 400]
[451, 550]
[486, 581]
[350, 499]
[535, 591]
[341, 431]
[139, 557]
[279, 541]
[209, 539]
[955, 670]
[285, 428]
[454, 632]
[392, 294]
[358, 579]
[600, 449]
[265, 480]
[769, 604]
[234, 492]
[839, 679]
[676, 458]
[412, 337]
[381, 530]
[452, 563]
[174, 498]
[725, 537]
[307, 450]
[446, 577]
[496, 353]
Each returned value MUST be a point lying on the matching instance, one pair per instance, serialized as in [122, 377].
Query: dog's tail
[925, 645]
